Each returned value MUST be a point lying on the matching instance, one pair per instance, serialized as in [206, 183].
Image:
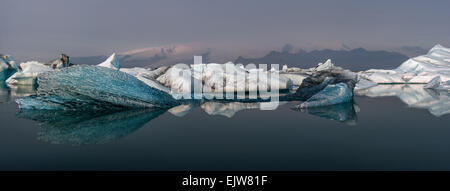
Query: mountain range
[355, 59]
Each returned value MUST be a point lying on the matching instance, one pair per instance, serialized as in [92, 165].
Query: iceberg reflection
[344, 112]
[414, 95]
[80, 128]
[9, 92]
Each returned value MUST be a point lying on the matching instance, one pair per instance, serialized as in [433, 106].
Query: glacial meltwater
[387, 127]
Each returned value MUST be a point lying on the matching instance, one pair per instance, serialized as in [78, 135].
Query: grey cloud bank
[43, 28]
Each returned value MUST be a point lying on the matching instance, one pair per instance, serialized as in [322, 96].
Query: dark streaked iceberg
[87, 127]
[94, 87]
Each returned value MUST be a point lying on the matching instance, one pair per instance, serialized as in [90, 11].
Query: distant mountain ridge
[356, 59]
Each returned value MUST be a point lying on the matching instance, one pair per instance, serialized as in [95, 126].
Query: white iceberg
[112, 62]
[221, 78]
[29, 71]
[328, 65]
[421, 69]
[330, 95]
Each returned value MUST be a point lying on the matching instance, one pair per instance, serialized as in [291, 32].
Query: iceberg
[418, 70]
[111, 62]
[93, 87]
[317, 80]
[62, 62]
[28, 73]
[221, 78]
[330, 95]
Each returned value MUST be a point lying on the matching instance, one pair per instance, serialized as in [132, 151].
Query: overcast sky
[39, 28]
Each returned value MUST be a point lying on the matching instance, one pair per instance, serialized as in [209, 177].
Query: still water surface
[382, 133]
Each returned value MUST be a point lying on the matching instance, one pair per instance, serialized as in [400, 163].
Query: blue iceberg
[330, 95]
[93, 87]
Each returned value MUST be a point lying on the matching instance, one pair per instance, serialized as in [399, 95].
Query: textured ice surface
[87, 127]
[93, 87]
[222, 78]
[29, 72]
[330, 95]
[421, 69]
[148, 76]
[111, 62]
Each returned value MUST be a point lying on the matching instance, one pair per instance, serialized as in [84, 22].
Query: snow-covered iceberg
[421, 69]
[93, 87]
[222, 78]
[111, 62]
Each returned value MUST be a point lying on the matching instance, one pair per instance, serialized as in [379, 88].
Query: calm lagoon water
[383, 133]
